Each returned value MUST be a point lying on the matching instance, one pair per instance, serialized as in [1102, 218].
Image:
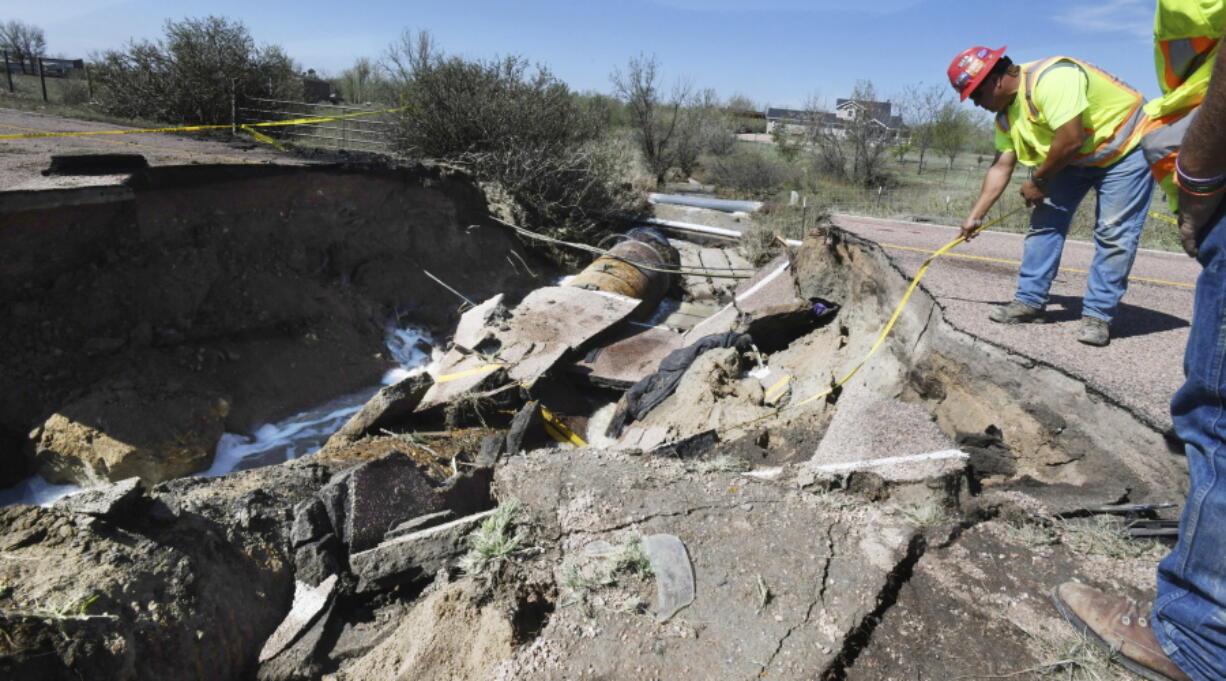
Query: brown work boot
[1017, 312]
[1119, 625]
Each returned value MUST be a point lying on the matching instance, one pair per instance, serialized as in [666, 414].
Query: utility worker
[1078, 127]
[1183, 636]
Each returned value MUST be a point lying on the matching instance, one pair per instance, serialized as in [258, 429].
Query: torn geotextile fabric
[649, 392]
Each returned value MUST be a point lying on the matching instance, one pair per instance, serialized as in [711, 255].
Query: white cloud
[1130, 17]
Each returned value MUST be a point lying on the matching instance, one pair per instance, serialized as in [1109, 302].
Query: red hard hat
[970, 67]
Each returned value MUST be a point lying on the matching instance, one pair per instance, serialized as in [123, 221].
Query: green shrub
[201, 69]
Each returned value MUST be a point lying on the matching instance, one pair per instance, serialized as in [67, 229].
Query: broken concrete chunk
[670, 563]
[528, 419]
[475, 324]
[415, 555]
[384, 493]
[109, 501]
[420, 523]
[310, 522]
[388, 407]
[308, 604]
[599, 549]
[776, 385]
[631, 355]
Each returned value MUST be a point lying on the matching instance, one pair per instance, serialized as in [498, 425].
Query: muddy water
[301, 434]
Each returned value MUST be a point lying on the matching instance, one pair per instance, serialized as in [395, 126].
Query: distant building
[797, 122]
[316, 89]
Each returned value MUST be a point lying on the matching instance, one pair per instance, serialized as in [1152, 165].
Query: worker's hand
[970, 228]
[1195, 212]
[1033, 193]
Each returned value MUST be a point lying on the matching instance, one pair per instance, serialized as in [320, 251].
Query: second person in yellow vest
[1079, 128]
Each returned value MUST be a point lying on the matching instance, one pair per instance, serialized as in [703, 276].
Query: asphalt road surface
[1143, 365]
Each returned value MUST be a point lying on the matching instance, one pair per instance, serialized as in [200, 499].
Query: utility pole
[42, 76]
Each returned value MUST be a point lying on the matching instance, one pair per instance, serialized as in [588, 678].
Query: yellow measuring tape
[1164, 218]
[249, 127]
[889, 325]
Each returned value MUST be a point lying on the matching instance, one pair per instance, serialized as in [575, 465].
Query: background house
[845, 111]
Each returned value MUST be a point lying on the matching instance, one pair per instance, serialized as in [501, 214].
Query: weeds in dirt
[1068, 657]
[581, 580]
[1101, 535]
[833, 500]
[493, 542]
[725, 463]
[764, 592]
[1031, 534]
[925, 514]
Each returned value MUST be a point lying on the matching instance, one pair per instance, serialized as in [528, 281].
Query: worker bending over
[1079, 128]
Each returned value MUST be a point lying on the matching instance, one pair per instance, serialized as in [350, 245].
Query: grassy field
[944, 195]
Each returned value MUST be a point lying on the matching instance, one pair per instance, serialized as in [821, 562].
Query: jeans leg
[1045, 239]
[1123, 200]
[1190, 611]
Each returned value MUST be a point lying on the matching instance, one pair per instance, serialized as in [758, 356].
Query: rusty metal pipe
[616, 273]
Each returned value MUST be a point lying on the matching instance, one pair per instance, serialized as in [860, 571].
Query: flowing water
[303, 433]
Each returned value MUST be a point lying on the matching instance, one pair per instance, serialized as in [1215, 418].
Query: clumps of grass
[493, 542]
[1069, 657]
[725, 463]
[582, 579]
[1100, 535]
[1031, 534]
[927, 514]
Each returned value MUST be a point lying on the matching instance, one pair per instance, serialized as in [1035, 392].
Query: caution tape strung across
[249, 127]
[1164, 218]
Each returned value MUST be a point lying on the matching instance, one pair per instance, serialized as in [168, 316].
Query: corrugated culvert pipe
[617, 271]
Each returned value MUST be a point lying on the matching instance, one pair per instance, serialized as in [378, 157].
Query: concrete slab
[460, 374]
[716, 260]
[309, 603]
[413, 555]
[474, 326]
[633, 354]
[384, 493]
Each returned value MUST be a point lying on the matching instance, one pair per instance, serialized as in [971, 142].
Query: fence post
[89, 81]
[42, 76]
[233, 111]
[8, 71]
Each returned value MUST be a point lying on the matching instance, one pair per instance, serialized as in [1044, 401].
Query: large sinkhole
[199, 320]
[146, 323]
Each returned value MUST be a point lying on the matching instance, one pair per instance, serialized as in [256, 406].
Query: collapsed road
[619, 475]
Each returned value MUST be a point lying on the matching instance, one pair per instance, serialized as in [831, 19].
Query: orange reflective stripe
[1164, 168]
[1132, 127]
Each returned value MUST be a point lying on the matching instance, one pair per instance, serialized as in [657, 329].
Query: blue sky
[777, 52]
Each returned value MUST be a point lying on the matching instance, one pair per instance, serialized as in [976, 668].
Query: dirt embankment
[191, 299]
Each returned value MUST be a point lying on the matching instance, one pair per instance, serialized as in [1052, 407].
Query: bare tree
[951, 131]
[653, 118]
[24, 42]
[825, 141]
[362, 82]
[921, 107]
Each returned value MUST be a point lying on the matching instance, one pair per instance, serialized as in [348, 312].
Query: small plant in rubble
[1068, 657]
[1101, 535]
[582, 580]
[493, 542]
[725, 463]
[926, 514]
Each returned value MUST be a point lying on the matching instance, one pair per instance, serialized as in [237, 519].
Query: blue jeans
[1189, 615]
[1123, 200]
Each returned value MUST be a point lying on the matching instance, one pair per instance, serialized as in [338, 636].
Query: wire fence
[56, 83]
[368, 133]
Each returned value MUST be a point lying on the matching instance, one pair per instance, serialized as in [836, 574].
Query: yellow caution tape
[1164, 218]
[558, 430]
[196, 128]
[261, 137]
[777, 387]
[483, 369]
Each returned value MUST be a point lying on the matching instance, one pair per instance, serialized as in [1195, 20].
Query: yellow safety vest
[1114, 119]
[1186, 38]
